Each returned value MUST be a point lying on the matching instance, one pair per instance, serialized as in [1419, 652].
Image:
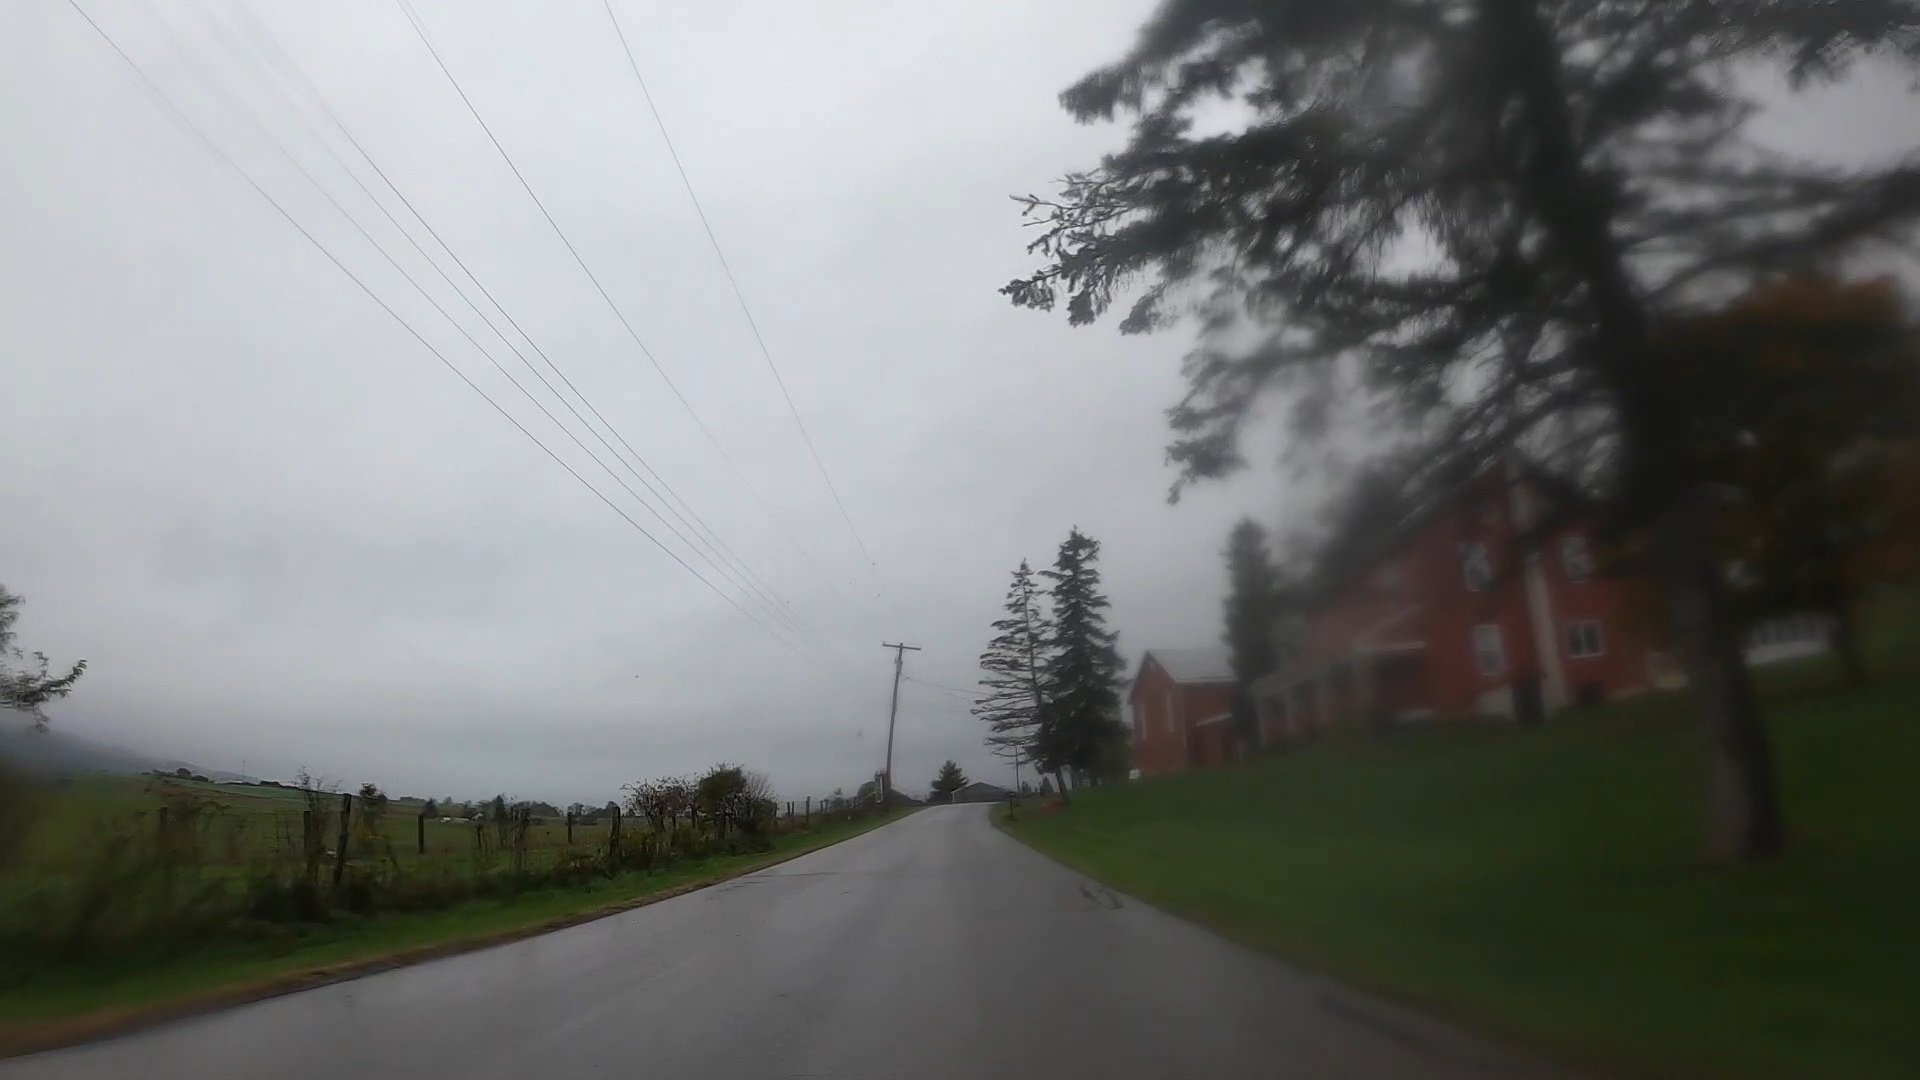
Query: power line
[771, 607]
[741, 573]
[740, 298]
[200, 136]
[974, 695]
[420, 29]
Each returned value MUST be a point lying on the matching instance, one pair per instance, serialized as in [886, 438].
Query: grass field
[1546, 885]
[58, 999]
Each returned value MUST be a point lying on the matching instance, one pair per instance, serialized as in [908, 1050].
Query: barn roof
[1194, 665]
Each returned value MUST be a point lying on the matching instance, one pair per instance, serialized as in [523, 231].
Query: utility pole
[899, 660]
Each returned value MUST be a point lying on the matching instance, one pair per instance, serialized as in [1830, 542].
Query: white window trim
[1568, 546]
[1483, 635]
[1599, 640]
[1468, 551]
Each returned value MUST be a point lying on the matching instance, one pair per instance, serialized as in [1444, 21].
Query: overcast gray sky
[286, 535]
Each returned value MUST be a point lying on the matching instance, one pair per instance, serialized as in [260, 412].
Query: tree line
[1050, 695]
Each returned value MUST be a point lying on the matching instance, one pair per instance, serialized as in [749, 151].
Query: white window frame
[1472, 552]
[1574, 634]
[1576, 559]
[1488, 641]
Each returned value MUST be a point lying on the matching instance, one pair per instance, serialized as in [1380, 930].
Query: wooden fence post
[340, 854]
[308, 855]
[569, 828]
[808, 820]
[421, 839]
[613, 843]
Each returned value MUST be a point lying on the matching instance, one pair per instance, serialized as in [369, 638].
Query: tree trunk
[1846, 642]
[1576, 206]
[1060, 786]
[1744, 820]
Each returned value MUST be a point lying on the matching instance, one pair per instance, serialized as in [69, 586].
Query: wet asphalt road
[933, 948]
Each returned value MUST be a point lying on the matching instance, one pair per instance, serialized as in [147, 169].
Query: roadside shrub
[21, 804]
[576, 868]
[428, 891]
[280, 898]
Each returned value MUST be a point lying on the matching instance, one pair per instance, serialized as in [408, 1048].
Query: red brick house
[1459, 613]
[1181, 709]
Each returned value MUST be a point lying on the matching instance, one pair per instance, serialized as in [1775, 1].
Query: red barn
[1181, 706]
[1459, 613]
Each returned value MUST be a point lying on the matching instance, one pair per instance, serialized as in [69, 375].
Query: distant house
[981, 791]
[1181, 709]
[1464, 609]
[1485, 603]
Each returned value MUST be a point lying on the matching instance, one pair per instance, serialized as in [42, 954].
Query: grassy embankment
[1547, 885]
[43, 1002]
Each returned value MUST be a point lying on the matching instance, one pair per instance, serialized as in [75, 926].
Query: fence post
[421, 841]
[613, 843]
[569, 828]
[163, 843]
[340, 854]
[808, 820]
[308, 855]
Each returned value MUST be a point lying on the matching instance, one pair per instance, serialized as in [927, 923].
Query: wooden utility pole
[340, 855]
[886, 778]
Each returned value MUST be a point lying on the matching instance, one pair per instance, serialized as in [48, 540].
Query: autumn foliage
[1804, 404]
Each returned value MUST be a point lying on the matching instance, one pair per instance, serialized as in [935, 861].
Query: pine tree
[1083, 670]
[1484, 210]
[1013, 688]
[1252, 593]
[950, 780]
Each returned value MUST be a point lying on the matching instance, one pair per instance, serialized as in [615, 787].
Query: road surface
[932, 948]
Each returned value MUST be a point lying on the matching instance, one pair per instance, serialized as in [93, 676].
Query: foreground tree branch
[1475, 215]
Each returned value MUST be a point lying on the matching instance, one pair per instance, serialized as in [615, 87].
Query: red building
[1459, 613]
[1181, 707]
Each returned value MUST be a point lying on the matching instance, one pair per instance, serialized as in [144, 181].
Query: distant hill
[216, 775]
[60, 753]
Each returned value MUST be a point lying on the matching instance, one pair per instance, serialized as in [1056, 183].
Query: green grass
[61, 996]
[1547, 885]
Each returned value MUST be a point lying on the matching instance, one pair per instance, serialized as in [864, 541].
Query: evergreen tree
[1252, 592]
[1483, 209]
[1083, 671]
[1013, 689]
[950, 780]
[29, 686]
